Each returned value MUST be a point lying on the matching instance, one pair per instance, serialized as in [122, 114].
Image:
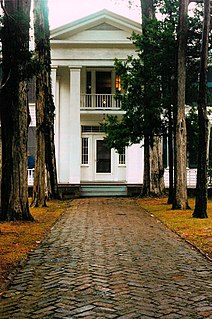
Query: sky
[65, 11]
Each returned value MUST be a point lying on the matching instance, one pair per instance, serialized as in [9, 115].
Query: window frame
[84, 155]
[122, 158]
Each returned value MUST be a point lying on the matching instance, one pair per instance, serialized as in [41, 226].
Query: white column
[75, 130]
[54, 81]
[55, 93]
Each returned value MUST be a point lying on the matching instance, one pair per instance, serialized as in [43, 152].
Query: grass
[196, 231]
[17, 239]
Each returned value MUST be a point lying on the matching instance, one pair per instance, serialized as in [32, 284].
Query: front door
[103, 168]
[103, 157]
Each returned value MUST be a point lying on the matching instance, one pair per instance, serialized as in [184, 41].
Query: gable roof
[102, 20]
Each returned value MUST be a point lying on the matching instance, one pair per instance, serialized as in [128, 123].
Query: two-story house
[84, 84]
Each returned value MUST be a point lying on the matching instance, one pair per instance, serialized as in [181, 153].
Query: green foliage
[149, 80]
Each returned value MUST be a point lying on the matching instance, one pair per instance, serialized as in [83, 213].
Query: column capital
[75, 68]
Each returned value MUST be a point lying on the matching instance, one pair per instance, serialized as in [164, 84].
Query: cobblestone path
[107, 258]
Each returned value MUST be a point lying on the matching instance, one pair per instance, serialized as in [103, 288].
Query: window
[85, 150]
[118, 83]
[122, 157]
[103, 82]
[92, 129]
[88, 80]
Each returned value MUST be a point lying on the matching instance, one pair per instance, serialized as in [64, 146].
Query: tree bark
[171, 158]
[157, 186]
[200, 210]
[42, 40]
[15, 112]
[40, 183]
[146, 179]
[180, 200]
[39, 186]
[153, 183]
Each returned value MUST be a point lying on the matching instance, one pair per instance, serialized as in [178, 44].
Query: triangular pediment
[104, 26]
[100, 26]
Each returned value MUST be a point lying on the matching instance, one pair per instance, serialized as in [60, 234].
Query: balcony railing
[30, 177]
[191, 178]
[99, 101]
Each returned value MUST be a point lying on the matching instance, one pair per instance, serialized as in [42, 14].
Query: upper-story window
[88, 82]
[118, 83]
[99, 82]
[103, 82]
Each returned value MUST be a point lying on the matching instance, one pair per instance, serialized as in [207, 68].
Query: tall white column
[55, 93]
[75, 130]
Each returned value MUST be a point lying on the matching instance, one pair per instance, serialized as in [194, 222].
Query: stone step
[103, 190]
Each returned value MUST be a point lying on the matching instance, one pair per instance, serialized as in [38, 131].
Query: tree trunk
[14, 112]
[200, 210]
[171, 158]
[39, 187]
[42, 39]
[147, 11]
[146, 179]
[180, 162]
[45, 150]
[157, 186]
[153, 180]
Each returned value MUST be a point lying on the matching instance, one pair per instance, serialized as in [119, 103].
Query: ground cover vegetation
[18, 239]
[198, 232]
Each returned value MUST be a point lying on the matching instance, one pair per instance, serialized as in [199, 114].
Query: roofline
[92, 17]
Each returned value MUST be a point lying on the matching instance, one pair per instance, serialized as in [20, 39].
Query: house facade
[84, 84]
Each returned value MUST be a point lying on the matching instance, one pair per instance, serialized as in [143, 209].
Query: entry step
[103, 190]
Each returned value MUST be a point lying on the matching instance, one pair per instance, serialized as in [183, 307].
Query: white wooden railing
[99, 101]
[191, 177]
[30, 177]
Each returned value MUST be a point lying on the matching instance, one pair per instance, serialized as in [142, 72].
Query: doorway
[103, 157]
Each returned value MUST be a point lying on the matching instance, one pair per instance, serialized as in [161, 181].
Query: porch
[99, 102]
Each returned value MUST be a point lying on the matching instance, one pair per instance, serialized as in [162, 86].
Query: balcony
[99, 102]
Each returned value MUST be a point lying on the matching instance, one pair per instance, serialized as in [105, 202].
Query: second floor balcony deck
[99, 102]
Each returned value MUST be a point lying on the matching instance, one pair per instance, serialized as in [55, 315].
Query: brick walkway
[106, 258]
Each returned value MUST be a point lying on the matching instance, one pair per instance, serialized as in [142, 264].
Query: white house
[84, 84]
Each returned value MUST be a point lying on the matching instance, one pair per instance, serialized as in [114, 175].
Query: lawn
[198, 232]
[17, 239]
